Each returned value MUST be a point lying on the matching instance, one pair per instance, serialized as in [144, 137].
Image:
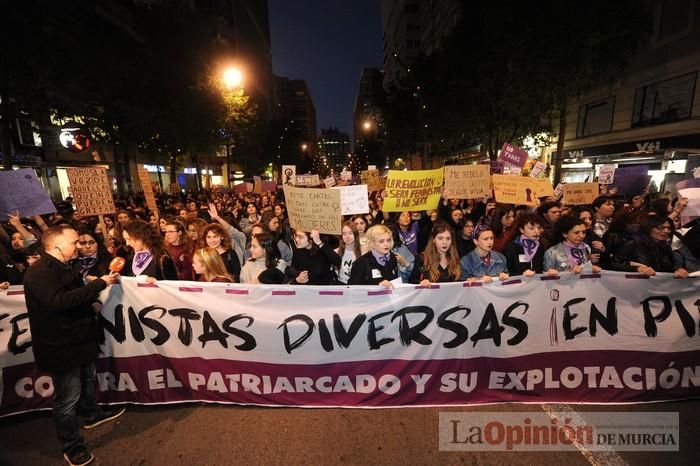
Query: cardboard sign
[329, 182]
[413, 190]
[20, 190]
[289, 174]
[346, 175]
[307, 180]
[606, 174]
[467, 181]
[520, 190]
[559, 190]
[580, 193]
[145, 180]
[513, 159]
[373, 181]
[311, 208]
[91, 190]
[353, 199]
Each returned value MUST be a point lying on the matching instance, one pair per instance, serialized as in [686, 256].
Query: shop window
[665, 101]
[595, 117]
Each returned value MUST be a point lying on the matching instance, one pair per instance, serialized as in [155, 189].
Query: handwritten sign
[289, 174]
[580, 193]
[329, 182]
[308, 180]
[20, 190]
[606, 175]
[145, 180]
[520, 190]
[353, 199]
[373, 181]
[538, 170]
[346, 175]
[413, 190]
[467, 181]
[513, 159]
[312, 208]
[91, 190]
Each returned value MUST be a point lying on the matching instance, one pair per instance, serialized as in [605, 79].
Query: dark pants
[73, 390]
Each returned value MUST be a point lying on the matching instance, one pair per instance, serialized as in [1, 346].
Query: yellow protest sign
[413, 190]
[467, 181]
[91, 190]
[520, 190]
[580, 193]
[312, 208]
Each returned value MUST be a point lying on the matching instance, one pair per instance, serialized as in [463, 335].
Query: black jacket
[515, 267]
[318, 264]
[643, 251]
[160, 268]
[233, 265]
[361, 273]
[61, 317]
[420, 272]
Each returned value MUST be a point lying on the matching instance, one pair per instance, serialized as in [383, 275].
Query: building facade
[294, 106]
[368, 122]
[649, 117]
[333, 151]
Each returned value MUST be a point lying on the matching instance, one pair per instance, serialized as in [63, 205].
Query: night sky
[327, 43]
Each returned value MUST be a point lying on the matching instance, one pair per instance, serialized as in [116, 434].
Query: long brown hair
[356, 234]
[431, 257]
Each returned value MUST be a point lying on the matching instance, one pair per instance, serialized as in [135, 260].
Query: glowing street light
[304, 147]
[367, 125]
[233, 78]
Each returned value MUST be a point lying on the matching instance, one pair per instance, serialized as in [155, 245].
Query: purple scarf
[141, 260]
[530, 247]
[575, 254]
[486, 259]
[382, 259]
[86, 264]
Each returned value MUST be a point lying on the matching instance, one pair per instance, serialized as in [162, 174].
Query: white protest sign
[329, 182]
[353, 199]
[606, 175]
[289, 174]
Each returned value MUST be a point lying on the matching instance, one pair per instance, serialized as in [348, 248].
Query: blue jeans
[74, 390]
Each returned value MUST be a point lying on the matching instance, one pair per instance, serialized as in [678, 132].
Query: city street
[216, 435]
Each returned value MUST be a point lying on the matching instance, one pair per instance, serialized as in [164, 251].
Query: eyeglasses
[87, 243]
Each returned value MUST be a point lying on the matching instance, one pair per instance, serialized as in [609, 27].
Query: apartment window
[665, 101]
[595, 117]
[676, 16]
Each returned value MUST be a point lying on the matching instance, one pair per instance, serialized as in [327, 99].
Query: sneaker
[105, 416]
[79, 456]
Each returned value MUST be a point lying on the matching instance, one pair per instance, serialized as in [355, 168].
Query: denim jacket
[474, 267]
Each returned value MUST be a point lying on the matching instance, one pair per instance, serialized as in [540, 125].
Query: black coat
[361, 273]
[319, 265]
[643, 251]
[61, 317]
[515, 267]
[233, 265]
[160, 268]
[420, 272]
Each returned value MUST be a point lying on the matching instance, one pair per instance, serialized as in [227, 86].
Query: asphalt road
[199, 434]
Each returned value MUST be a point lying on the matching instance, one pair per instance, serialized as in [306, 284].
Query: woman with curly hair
[214, 236]
[148, 256]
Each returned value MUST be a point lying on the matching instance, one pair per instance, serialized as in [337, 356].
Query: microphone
[116, 265]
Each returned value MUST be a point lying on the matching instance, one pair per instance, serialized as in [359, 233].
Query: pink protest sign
[513, 159]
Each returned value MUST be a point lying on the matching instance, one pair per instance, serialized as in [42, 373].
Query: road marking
[606, 457]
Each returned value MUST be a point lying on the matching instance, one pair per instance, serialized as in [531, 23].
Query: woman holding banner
[312, 260]
[379, 265]
[571, 254]
[525, 255]
[148, 257]
[349, 250]
[483, 263]
[440, 261]
[264, 265]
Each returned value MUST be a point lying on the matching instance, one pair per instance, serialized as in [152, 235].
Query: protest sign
[353, 199]
[513, 159]
[631, 180]
[91, 190]
[606, 175]
[692, 166]
[538, 170]
[346, 175]
[520, 190]
[372, 179]
[289, 174]
[413, 190]
[307, 180]
[243, 188]
[580, 193]
[145, 180]
[21, 191]
[329, 182]
[586, 339]
[690, 189]
[467, 181]
[312, 208]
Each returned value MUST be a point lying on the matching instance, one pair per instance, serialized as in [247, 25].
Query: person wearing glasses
[651, 251]
[180, 248]
[93, 257]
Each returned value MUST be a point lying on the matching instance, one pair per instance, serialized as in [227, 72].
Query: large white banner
[610, 338]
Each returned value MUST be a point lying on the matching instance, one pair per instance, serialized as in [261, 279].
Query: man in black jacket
[61, 318]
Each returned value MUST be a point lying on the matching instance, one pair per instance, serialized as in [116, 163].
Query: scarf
[575, 254]
[530, 247]
[381, 258]
[86, 263]
[141, 260]
[486, 259]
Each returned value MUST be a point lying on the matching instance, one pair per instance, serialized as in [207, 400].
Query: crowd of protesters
[223, 236]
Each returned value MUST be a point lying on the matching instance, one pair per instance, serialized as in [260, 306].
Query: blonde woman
[378, 266]
[208, 264]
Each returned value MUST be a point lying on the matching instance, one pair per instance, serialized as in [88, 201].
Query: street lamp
[233, 78]
[367, 125]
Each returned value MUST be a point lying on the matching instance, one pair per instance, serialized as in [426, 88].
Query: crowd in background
[219, 236]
